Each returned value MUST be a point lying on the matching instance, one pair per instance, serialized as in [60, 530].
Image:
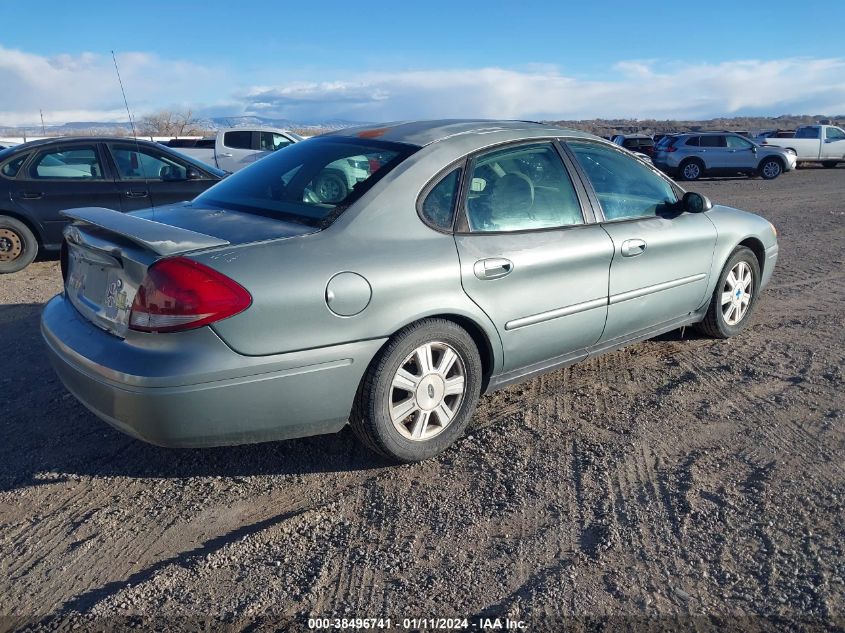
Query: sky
[379, 61]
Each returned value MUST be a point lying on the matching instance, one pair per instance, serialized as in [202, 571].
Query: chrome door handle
[492, 268]
[632, 248]
[31, 195]
[225, 155]
[136, 194]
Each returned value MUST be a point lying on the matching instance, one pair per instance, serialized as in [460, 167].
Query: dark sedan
[40, 178]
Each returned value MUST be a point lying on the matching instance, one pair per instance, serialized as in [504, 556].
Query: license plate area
[97, 287]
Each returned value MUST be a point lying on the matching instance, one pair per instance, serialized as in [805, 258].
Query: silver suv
[693, 155]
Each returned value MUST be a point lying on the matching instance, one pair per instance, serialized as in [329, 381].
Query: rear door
[530, 255]
[236, 150]
[661, 258]
[714, 151]
[150, 177]
[63, 176]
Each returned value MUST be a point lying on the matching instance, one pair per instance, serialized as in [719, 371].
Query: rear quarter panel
[413, 272]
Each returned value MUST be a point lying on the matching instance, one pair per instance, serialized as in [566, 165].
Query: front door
[530, 259]
[148, 177]
[742, 153]
[63, 177]
[661, 258]
[238, 150]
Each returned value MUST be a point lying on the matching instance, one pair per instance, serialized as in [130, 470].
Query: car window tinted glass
[238, 140]
[808, 132]
[625, 187]
[79, 162]
[520, 188]
[715, 140]
[310, 182]
[12, 167]
[141, 163]
[270, 141]
[693, 141]
[438, 208]
[737, 142]
[835, 134]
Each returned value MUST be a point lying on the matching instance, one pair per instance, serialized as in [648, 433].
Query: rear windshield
[637, 142]
[310, 182]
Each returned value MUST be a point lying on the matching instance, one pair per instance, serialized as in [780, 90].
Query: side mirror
[754, 148]
[192, 174]
[695, 202]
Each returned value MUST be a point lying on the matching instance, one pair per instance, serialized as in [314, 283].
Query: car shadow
[48, 436]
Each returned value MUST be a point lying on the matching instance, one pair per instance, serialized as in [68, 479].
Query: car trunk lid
[107, 253]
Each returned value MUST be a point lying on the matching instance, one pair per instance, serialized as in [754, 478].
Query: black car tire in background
[771, 168]
[18, 246]
[829, 164]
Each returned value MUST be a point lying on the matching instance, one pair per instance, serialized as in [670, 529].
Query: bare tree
[170, 123]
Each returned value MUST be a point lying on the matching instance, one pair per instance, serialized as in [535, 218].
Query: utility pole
[43, 131]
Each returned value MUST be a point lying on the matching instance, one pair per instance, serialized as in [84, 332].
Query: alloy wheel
[692, 171]
[771, 169]
[427, 391]
[737, 293]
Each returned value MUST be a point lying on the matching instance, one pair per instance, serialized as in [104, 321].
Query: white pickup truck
[234, 149]
[823, 144]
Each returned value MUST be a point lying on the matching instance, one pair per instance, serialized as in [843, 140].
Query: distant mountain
[212, 123]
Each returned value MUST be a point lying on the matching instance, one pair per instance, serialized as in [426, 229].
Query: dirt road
[694, 481]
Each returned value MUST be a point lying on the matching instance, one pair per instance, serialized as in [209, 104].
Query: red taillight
[671, 148]
[181, 294]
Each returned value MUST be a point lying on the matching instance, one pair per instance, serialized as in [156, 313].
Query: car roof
[83, 139]
[422, 133]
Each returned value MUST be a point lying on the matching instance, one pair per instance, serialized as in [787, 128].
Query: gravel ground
[678, 483]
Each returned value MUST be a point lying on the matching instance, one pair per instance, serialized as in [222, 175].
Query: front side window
[141, 163]
[835, 134]
[310, 182]
[438, 208]
[715, 140]
[270, 141]
[626, 188]
[737, 142]
[521, 188]
[238, 140]
[79, 162]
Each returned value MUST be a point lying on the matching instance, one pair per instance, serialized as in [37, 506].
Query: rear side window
[12, 167]
[438, 208]
[626, 188]
[521, 188]
[238, 140]
[713, 141]
[78, 162]
[808, 132]
[692, 141]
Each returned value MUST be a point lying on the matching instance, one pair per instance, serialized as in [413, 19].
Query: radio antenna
[134, 135]
[123, 92]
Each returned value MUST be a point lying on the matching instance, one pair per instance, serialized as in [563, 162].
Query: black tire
[714, 323]
[691, 169]
[770, 168]
[331, 187]
[18, 246]
[829, 164]
[370, 419]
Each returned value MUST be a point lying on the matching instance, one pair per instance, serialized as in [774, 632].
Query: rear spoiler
[159, 238]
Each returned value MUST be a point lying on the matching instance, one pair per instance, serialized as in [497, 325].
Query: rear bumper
[190, 389]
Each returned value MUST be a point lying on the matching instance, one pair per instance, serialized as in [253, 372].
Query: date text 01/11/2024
[416, 624]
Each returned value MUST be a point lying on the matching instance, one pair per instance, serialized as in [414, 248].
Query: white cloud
[638, 89]
[84, 87]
